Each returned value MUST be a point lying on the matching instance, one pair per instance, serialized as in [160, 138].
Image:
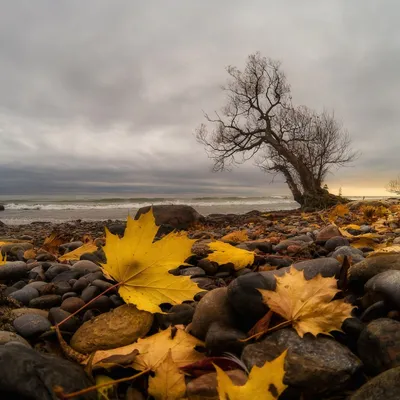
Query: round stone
[31, 325]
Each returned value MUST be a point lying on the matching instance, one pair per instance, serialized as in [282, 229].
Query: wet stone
[13, 271]
[54, 270]
[90, 293]
[102, 304]
[80, 284]
[72, 304]
[45, 302]
[31, 325]
[192, 271]
[25, 295]
[56, 315]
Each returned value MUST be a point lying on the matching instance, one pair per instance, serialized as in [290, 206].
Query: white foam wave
[137, 205]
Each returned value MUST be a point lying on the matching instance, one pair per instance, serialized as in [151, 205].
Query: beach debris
[264, 383]
[224, 253]
[307, 304]
[141, 265]
[168, 382]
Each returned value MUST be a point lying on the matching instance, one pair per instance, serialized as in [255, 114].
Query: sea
[26, 209]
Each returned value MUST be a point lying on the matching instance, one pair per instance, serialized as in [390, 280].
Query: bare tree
[394, 186]
[260, 120]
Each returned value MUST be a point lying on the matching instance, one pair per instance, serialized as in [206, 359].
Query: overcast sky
[104, 96]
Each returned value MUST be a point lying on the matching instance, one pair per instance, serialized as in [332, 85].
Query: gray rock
[85, 267]
[379, 345]
[14, 247]
[204, 283]
[356, 254]
[80, 284]
[45, 302]
[103, 285]
[61, 288]
[214, 306]
[54, 270]
[71, 246]
[177, 216]
[313, 365]
[37, 273]
[387, 284]
[221, 338]
[24, 311]
[192, 271]
[66, 276]
[327, 267]
[28, 374]
[13, 271]
[7, 337]
[385, 386]
[31, 325]
[337, 241]
[208, 266]
[116, 328]
[178, 314]
[56, 315]
[90, 293]
[36, 285]
[25, 295]
[371, 266]
[101, 304]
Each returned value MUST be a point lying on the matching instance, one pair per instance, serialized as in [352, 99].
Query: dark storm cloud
[106, 94]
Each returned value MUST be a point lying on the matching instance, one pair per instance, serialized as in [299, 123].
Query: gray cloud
[105, 95]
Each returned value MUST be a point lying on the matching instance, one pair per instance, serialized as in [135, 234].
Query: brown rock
[116, 328]
[205, 386]
[327, 233]
[72, 304]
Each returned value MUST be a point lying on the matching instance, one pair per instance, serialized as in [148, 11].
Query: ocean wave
[102, 205]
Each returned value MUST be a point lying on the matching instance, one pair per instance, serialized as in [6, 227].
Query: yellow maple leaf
[236, 236]
[3, 259]
[168, 382]
[105, 392]
[264, 383]
[341, 210]
[307, 304]
[395, 249]
[154, 348]
[89, 247]
[141, 265]
[224, 253]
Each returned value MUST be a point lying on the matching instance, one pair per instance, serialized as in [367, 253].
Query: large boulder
[28, 374]
[176, 216]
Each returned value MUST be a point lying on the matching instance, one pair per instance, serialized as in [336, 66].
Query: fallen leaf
[153, 349]
[52, 243]
[224, 253]
[340, 210]
[168, 382]
[360, 242]
[265, 383]
[89, 247]
[105, 392]
[141, 265]
[3, 259]
[29, 254]
[385, 250]
[261, 325]
[236, 237]
[307, 304]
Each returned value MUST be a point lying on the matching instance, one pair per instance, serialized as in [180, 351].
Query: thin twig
[274, 328]
[61, 395]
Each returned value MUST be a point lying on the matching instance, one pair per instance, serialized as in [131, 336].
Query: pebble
[193, 272]
[25, 295]
[90, 293]
[80, 284]
[61, 288]
[31, 325]
[8, 337]
[337, 241]
[72, 304]
[356, 255]
[327, 233]
[221, 338]
[36, 285]
[85, 267]
[116, 328]
[208, 266]
[68, 294]
[45, 302]
[56, 315]
[387, 284]
[13, 271]
[54, 270]
[103, 285]
[180, 314]
[102, 304]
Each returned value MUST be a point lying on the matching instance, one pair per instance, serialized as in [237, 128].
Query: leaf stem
[61, 395]
[274, 328]
[88, 303]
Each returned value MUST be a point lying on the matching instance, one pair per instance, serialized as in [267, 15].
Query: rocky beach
[42, 287]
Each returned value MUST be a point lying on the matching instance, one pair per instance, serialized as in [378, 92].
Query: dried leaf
[141, 265]
[52, 243]
[207, 365]
[385, 250]
[89, 247]
[29, 254]
[3, 259]
[265, 383]
[341, 210]
[168, 382]
[307, 304]
[224, 253]
[236, 237]
[153, 349]
[261, 325]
